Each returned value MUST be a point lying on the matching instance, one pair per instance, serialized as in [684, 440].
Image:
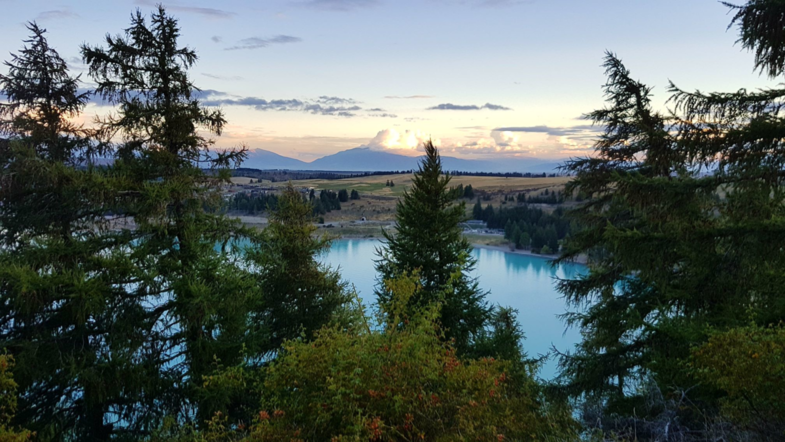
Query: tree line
[252, 203]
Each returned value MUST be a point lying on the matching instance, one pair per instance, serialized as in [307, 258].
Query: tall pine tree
[685, 225]
[200, 286]
[300, 295]
[429, 240]
[76, 332]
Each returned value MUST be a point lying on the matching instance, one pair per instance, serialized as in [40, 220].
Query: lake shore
[373, 230]
[506, 249]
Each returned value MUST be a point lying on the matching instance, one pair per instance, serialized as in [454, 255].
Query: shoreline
[581, 260]
[372, 229]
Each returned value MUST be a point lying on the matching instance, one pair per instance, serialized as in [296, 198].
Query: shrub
[397, 379]
[748, 365]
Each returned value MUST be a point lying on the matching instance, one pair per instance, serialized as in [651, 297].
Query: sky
[308, 78]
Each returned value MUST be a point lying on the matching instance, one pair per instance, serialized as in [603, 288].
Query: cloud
[489, 142]
[335, 100]
[257, 42]
[383, 115]
[338, 5]
[75, 64]
[584, 129]
[393, 139]
[470, 107]
[502, 3]
[223, 78]
[56, 14]
[498, 142]
[333, 106]
[410, 97]
[208, 12]
[487, 3]
[217, 38]
[572, 138]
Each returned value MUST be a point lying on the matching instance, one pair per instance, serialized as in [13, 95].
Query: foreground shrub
[8, 404]
[748, 365]
[398, 380]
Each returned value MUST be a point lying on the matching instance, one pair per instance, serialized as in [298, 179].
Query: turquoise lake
[526, 283]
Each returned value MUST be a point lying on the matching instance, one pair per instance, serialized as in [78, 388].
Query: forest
[133, 308]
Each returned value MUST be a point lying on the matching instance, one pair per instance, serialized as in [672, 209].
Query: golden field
[377, 201]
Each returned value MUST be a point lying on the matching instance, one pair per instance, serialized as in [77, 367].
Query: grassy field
[377, 201]
[375, 185]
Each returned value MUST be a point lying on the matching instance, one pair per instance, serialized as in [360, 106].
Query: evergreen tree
[477, 210]
[523, 240]
[66, 314]
[429, 239]
[684, 224]
[343, 195]
[355, 195]
[299, 295]
[538, 239]
[203, 290]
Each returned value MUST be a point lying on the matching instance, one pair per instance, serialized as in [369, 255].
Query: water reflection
[525, 283]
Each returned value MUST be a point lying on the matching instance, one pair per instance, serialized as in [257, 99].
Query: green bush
[748, 365]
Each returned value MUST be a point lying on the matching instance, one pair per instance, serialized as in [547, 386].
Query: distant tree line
[547, 196]
[506, 174]
[528, 227]
[460, 191]
[327, 201]
[252, 203]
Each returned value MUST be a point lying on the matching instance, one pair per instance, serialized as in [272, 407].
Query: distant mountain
[365, 159]
[264, 160]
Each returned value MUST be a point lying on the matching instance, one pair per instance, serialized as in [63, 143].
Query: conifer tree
[63, 270]
[299, 295]
[203, 288]
[429, 239]
[684, 224]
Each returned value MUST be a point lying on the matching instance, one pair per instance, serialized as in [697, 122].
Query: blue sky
[306, 78]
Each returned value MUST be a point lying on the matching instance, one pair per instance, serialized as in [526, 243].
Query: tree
[355, 195]
[508, 230]
[477, 210]
[747, 364]
[468, 192]
[192, 270]
[343, 195]
[683, 220]
[538, 240]
[299, 295]
[42, 96]
[523, 240]
[429, 239]
[8, 404]
[64, 272]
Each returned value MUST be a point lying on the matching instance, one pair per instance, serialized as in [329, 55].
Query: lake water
[526, 283]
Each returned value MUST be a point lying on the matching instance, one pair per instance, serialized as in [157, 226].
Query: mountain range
[365, 159]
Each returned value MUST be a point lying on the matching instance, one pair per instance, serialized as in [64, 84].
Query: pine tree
[343, 195]
[477, 210]
[429, 239]
[203, 286]
[684, 223]
[299, 295]
[65, 273]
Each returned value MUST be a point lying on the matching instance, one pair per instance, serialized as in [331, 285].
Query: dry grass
[377, 201]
